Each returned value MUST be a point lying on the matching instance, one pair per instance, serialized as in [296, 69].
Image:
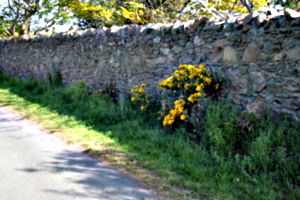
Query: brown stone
[279, 57]
[220, 43]
[238, 81]
[216, 56]
[230, 55]
[263, 57]
[249, 17]
[258, 107]
[251, 52]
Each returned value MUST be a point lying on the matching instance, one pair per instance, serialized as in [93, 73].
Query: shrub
[110, 91]
[139, 97]
[186, 87]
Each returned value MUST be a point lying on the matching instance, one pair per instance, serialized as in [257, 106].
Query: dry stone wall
[260, 56]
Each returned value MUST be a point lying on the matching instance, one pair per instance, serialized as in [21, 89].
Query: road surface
[35, 165]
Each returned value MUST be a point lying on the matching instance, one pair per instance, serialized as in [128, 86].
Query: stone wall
[260, 56]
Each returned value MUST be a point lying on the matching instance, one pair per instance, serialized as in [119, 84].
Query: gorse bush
[139, 97]
[187, 87]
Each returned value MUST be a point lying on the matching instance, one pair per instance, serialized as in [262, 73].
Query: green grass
[266, 166]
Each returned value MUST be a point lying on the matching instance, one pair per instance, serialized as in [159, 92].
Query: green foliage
[139, 97]
[293, 4]
[228, 162]
[109, 90]
[107, 13]
[56, 79]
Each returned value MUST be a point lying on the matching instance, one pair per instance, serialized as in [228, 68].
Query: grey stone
[238, 81]
[293, 53]
[258, 107]
[289, 13]
[199, 41]
[258, 81]
[177, 49]
[157, 39]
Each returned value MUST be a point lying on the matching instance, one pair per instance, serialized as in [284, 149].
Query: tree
[293, 4]
[97, 13]
[21, 17]
[226, 8]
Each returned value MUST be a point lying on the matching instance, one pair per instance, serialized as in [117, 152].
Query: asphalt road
[35, 165]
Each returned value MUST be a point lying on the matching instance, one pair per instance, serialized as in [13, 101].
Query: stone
[186, 59]
[199, 41]
[250, 17]
[271, 48]
[250, 55]
[293, 89]
[157, 39]
[177, 27]
[263, 56]
[288, 43]
[228, 27]
[220, 43]
[230, 55]
[189, 26]
[291, 14]
[258, 107]
[192, 25]
[238, 81]
[216, 56]
[279, 57]
[260, 19]
[177, 49]
[165, 51]
[293, 53]
[246, 27]
[258, 81]
[295, 22]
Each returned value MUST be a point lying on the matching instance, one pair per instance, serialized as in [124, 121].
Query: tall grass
[226, 163]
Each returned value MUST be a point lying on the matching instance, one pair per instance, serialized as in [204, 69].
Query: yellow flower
[132, 98]
[198, 88]
[143, 85]
[171, 121]
[143, 107]
[182, 117]
[80, 81]
[191, 99]
[165, 122]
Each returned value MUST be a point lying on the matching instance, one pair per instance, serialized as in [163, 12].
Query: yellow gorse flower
[190, 82]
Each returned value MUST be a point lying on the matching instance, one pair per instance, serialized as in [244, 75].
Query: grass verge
[172, 166]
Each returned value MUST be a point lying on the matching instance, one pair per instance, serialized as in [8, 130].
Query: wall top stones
[268, 21]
